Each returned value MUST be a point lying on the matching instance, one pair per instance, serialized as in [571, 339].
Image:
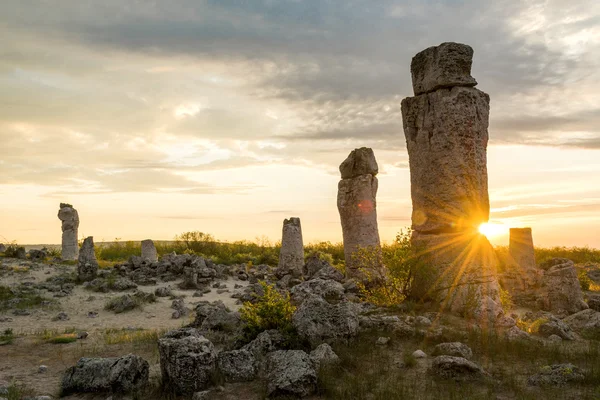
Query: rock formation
[445, 125]
[561, 290]
[149, 251]
[70, 223]
[357, 205]
[87, 266]
[520, 276]
[291, 255]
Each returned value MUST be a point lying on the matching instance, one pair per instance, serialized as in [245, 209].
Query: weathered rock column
[356, 201]
[520, 275]
[70, 223]
[445, 125]
[149, 250]
[291, 255]
[87, 267]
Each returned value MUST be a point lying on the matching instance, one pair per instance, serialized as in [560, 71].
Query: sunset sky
[156, 118]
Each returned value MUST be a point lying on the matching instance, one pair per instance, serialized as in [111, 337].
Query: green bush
[584, 280]
[271, 311]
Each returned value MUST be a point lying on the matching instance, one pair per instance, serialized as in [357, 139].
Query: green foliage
[271, 311]
[391, 284]
[118, 250]
[64, 338]
[27, 298]
[506, 300]
[335, 250]
[579, 255]
[6, 337]
[12, 250]
[584, 280]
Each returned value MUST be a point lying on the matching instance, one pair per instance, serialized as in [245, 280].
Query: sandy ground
[19, 362]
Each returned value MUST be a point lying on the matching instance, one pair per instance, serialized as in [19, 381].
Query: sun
[490, 229]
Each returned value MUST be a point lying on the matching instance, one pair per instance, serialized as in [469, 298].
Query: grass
[373, 372]
[26, 298]
[7, 337]
[139, 336]
[18, 391]
[64, 338]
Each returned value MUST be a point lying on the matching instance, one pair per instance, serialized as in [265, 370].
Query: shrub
[506, 300]
[6, 337]
[390, 284]
[271, 311]
[584, 280]
[13, 249]
[64, 338]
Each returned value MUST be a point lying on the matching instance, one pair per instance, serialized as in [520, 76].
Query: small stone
[419, 354]
[204, 395]
[62, 316]
[92, 314]
[82, 335]
[382, 341]
[42, 369]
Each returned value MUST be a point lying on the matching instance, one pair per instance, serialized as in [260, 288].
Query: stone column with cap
[149, 250]
[446, 130]
[357, 205]
[291, 255]
[70, 224]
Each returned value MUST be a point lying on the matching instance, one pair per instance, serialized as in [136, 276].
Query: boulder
[556, 327]
[187, 360]
[318, 321]
[329, 273]
[329, 290]
[237, 365]
[124, 374]
[87, 266]
[455, 349]
[458, 368]
[322, 355]
[561, 288]
[290, 373]
[216, 316]
[313, 264]
[586, 322]
[556, 375]
[359, 162]
[265, 343]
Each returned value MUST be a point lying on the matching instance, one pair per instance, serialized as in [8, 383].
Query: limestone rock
[456, 349]
[327, 289]
[123, 374]
[556, 375]
[322, 355]
[149, 250]
[216, 316]
[561, 288]
[419, 354]
[237, 365]
[359, 162]
[357, 205]
[556, 327]
[446, 65]
[290, 373]
[318, 321]
[458, 368]
[265, 343]
[70, 224]
[313, 265]
[521, 247]
[446, 136]
[186, 360]
[586, 322]
[328, 273]
[291, 255]
[87, 266]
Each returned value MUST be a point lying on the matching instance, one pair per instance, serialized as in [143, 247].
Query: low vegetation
[6, 337]
[20, 298]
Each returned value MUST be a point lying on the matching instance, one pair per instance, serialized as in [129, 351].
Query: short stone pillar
[291, 255]
[357, 205]
[446, 130]
[70, 224]
[521, 248]
[149, 250]
[87, 266]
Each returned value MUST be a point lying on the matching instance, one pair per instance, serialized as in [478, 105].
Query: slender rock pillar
[291, 255]
[356, 201]
[445, 125]
[87, 267]
[70, 223]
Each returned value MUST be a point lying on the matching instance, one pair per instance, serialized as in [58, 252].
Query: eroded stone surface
[291, 255]
[149, 250]
[87, 266]
[70, 224]
[561, 288]
[446, 65]
[357, 206]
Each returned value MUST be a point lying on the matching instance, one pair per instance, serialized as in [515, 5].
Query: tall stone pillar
[445, 125]
[521, 248]
[149, 250]
[291, 255]
[357, 204]
[87, 266]
[70, 223]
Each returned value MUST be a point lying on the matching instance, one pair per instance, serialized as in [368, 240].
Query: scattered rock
[556, 327]
[458, 368]
[237, 365]
[62, 316]
[455, 349]
[42, 369]
[124, 374]
[382, 341]
[556, 375]
[329, 290]
[163, 292]
[323, 354]
[290, 373]
[186, 360]
[419, 354]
